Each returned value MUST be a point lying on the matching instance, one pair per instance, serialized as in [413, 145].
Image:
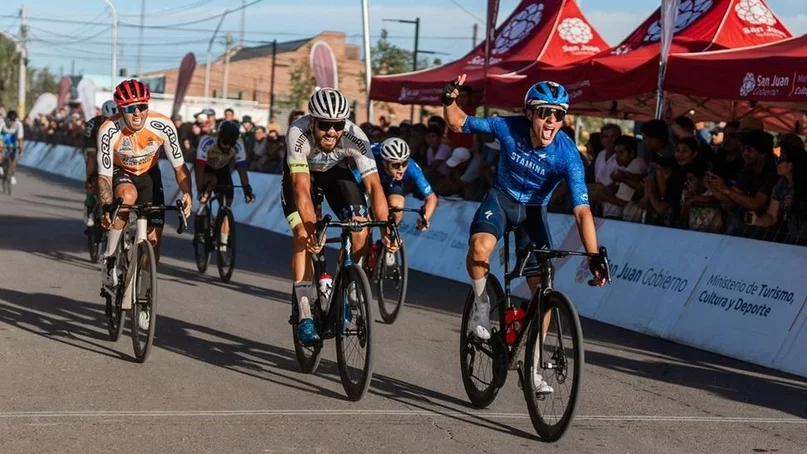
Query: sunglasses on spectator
[544, 113]
[131, 109]
[326, 126]
[399, 165]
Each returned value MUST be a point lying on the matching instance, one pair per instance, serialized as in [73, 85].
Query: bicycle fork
[140, 235]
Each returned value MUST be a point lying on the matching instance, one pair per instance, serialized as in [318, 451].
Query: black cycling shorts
[225, 178]
[149, 190]
[337, 185]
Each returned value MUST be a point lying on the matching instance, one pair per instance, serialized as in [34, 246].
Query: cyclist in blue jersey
[12, 134]
[534, 158]
[392, 156]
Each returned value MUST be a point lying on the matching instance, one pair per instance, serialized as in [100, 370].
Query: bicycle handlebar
[522, 254]
[148, 208]
[420, 211]
[354, 226]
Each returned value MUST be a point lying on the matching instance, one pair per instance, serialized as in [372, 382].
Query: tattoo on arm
[105, 191]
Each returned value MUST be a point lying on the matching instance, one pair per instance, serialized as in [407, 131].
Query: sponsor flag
[45, 104]
[186, 69]
[323, 65]
[669, 16]
[86, 95]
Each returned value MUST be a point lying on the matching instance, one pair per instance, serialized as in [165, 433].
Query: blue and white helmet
[546, 93]
[109, 109]
[395, 150]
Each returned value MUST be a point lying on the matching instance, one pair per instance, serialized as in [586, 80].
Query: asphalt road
[223, 376]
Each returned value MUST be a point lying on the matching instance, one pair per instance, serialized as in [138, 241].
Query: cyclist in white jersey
[318, 146]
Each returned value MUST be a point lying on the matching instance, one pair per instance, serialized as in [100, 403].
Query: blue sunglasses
[131, 109]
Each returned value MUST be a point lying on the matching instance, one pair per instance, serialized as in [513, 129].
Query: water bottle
[512, 320]
[325, 287]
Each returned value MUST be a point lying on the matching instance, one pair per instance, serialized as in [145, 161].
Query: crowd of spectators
[730, 177]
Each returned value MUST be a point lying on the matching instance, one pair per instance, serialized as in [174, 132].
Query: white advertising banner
[746, 303]
[654, 281]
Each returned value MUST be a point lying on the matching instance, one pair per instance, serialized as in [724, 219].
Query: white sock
[223, 238]
[303, 291]
[112, 242]
[480, 295]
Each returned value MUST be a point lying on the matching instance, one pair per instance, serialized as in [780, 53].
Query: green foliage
[388, 58]
[9, 64]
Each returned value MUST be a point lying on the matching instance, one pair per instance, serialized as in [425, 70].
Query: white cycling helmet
[109, 109]
[395, 150]
[329, 104]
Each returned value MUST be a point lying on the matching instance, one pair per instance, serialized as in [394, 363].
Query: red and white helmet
[131, 91]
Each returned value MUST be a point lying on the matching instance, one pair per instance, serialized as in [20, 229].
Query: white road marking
[376, 413]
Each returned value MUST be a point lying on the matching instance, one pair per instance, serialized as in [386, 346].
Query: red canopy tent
[552, 32]
[622, 81]
[768, 82]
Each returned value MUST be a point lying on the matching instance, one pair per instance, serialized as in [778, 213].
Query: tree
[387, 58]
[40, 81]
[9, 66]
[302, 84]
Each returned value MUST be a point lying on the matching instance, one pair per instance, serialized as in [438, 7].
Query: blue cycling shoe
[307, 332]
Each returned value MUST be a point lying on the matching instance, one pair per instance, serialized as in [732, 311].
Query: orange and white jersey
[136, 152]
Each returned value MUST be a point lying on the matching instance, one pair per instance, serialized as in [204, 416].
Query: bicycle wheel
[94, 244]
[397, 278]
[354, 332]
[201, 249]
[483, 363]
[115, 315]
[144, 313]
[308, 356]
[226, 258]
[562, 368]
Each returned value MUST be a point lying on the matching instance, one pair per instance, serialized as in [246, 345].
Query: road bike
[548, 315]
[95, 235]
[136, 268]
[391, 279]
[211, 234]
[342, 310]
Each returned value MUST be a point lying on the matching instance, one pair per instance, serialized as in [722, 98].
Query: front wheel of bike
[396, 278]
[562, 369]
[115, 315]
[308, 355]
[144, 307]
[225, 253]
[483, 363]
[354, 332]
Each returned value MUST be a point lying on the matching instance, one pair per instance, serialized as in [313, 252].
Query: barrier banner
[747, 301]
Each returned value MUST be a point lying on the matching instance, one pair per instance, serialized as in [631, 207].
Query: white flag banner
[45, 104]
[86, 94]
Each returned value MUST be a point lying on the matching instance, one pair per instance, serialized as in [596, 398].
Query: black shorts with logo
[149, 190]
[223, 177]
[337, 185]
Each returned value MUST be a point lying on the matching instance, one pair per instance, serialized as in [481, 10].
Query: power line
[197, 21]
[72, 41]
[168, 11]
[459, 5]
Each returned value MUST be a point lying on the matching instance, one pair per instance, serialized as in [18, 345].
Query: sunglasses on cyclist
[326, 126]
[131, 109]
[398, 165]
[544, 112]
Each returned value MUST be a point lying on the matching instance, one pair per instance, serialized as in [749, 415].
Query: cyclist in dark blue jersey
[534, 159]
[392, 155]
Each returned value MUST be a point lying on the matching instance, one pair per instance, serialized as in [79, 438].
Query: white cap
[458, 156]
[201, 118]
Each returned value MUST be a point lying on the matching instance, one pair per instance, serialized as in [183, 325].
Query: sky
[446, 26]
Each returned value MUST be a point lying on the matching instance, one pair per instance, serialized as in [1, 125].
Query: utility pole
[368, 73]
[114, 45]
[272, 82]
[229, 42]
[210, 56]
[243, 21]
[476, 30]
[23, 63]
[416, 22]
[140, 37]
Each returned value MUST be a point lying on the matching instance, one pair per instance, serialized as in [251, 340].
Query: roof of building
[265, 50]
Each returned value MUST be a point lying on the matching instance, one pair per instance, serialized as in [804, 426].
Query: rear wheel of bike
[354, 332]
[94, 243]
[144, 313]
[226, 258]
[395, 279]
[308, 356]
[483, 363]
[201, 249]
[115, 316]
[552, 413]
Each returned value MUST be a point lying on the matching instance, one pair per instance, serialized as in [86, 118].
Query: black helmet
[229, 132]
[11, 115]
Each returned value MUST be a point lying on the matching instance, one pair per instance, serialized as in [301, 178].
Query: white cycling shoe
[109, 275]
[541, 386]
[480, 320]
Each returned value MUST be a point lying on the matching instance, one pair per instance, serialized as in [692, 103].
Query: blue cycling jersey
[527, 174]
[413, 173]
